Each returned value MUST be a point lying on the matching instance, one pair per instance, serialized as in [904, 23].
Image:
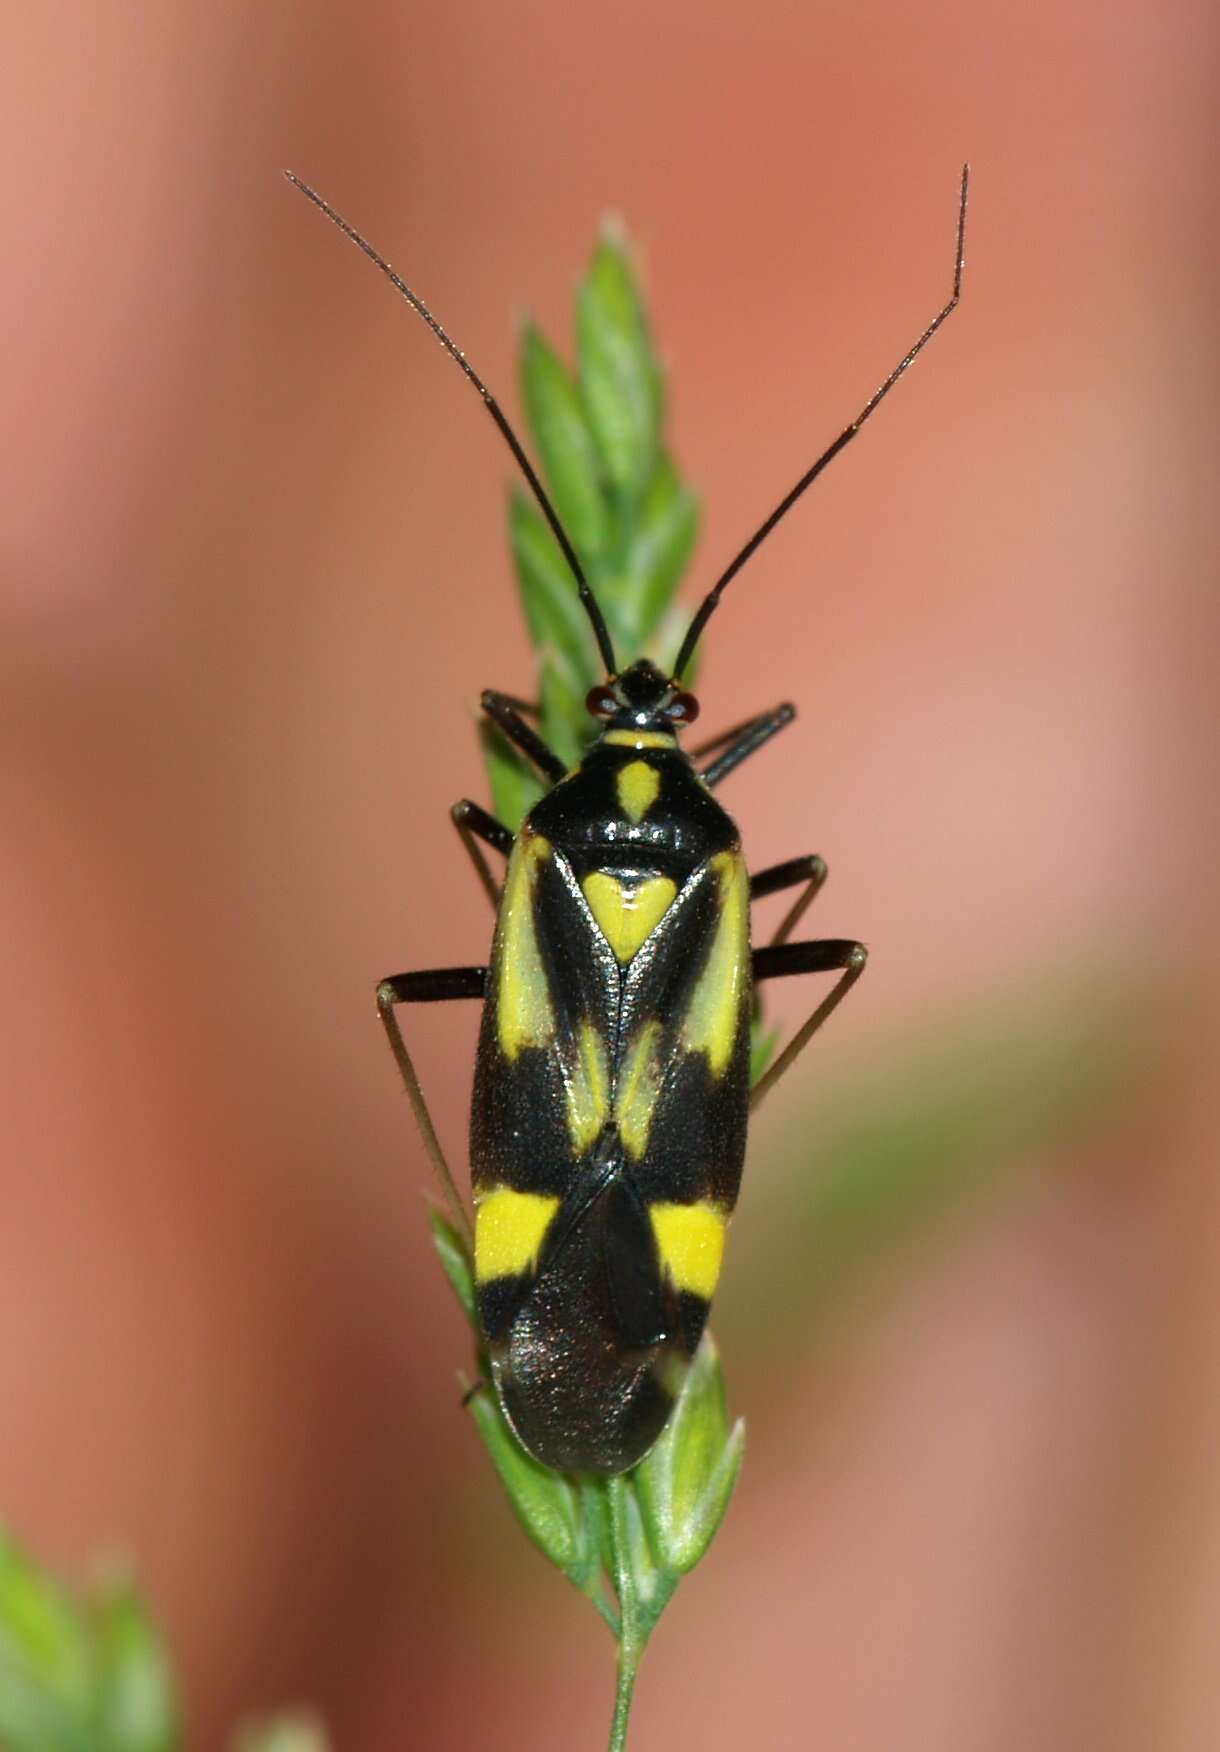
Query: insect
[611, 1086]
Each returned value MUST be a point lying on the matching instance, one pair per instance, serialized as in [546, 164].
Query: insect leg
[527, 708]
[436, 986]
[721, 737]
[504, 715]
[743, 741]
[834, 954]
[474, 823]
[810, 870]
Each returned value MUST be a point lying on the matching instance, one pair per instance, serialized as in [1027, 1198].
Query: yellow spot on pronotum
[638, 1088]
[523, 1000]
[509, 1229]
[587, 1089]
[637, 786]
[627, 913]
[690, 1239]
[715, 1013]
[638, 739]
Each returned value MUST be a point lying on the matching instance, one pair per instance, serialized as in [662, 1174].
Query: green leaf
[569, 456]
[644, 1585]
[93, 1674]
[41, 1628]
[620, 379]
[137, 1705]
[455, 1261]
[685, 1482]
[80, 1676]
[668, 642]
[558, 625]
[545, 1502]
[659, 548]
[597, 1521]
[565, 722]
[47, 1661]
[515, 787]
[298, 1732]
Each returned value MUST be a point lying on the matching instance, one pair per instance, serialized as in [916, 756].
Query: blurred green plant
[995, 1097]
[80, 1675]
[300, 1731]
[90, 1672]
[624, 1542]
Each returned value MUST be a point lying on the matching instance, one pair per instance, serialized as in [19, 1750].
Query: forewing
[682, 1085]
[543, 1074]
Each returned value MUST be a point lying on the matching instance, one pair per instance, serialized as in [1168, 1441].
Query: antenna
[709, 604]
[600, 630]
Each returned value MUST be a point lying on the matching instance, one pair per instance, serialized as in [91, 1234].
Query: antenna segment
[710, 602]
[600, 630]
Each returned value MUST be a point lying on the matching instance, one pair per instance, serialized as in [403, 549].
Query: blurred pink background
[255, 574]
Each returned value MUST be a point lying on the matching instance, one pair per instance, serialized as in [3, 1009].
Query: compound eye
[600, 703]
[683, 708]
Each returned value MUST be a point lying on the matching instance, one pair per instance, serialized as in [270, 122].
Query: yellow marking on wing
[637, 786]
[523, 1002]
[627, 913]
[714, 1016]
[509, 1229]
[587, 1090]
[690, 1239]
[639, 738]
[638, 1088]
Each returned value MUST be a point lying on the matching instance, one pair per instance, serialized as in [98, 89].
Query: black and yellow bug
[611, 1089]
